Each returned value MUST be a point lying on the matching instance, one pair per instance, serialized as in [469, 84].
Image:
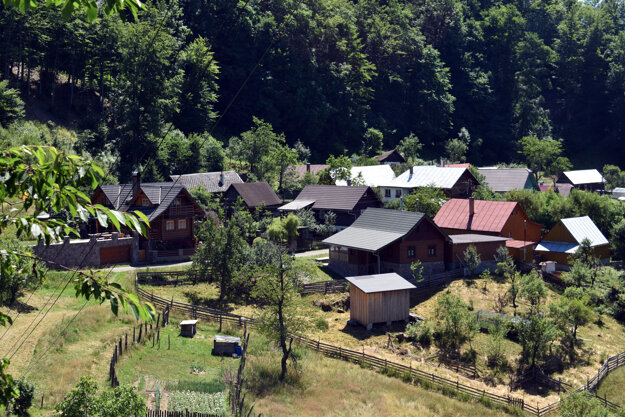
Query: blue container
[238, 350]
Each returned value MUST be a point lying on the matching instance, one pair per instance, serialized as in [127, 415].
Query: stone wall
[83, 252]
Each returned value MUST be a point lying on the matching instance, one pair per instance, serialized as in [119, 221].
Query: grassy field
[612, 386]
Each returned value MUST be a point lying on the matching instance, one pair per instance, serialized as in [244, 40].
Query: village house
[485, 245]
[170, 210]
[213, 182]
[455, 182]
[383, 240]
[584, 179]
[495, 218]
[392, 157]
[347, 203]
[253, 195]
[565, 237]
[302, 169]
[370, 175]
[501, 180]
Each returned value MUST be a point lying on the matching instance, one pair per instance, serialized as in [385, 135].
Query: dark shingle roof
[506, 179]
[392, 154]
[160, 194]
[332, 197]
[213, 182]
[376, 228]
[257, 193]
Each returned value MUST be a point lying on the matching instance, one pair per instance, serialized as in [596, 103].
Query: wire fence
[406, 372]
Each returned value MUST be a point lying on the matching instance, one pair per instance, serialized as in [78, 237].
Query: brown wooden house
[383, 240]
[563, 240]
[253, 195]
[346, 202]
[169, 208]
[382, 298]
[390, 157]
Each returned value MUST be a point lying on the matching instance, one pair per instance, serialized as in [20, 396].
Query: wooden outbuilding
[188, 328]
[381, 298]
[226, 345]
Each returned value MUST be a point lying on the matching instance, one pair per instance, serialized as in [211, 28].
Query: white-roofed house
[565, 237]
[583, 179]
[455, 182]
[371, 175]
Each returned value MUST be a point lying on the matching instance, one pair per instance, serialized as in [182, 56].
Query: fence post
[125, 341]
[42, 400]
[168, 342]
[158, 320]
[133, 335]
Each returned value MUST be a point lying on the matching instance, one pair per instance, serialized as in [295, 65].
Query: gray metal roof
[213, 182]
[296, 205]
[506, 179]
[380, 283]
[583, 228]
[584, 176]
[160, 194]
[475, 238]
[423, 176]
[376, 228]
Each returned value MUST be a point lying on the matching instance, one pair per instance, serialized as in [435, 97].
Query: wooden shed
[226, 345]
[380, 298]
[188, 328]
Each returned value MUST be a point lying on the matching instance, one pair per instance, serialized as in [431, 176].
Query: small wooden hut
[226, 345]
[380, 298]
[188, 328]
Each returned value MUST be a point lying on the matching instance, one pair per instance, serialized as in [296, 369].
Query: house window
[170, 225]
[411, 251]
[145, 202]
[387, 193]
[432, 250]
[397, 193]
[182, 224]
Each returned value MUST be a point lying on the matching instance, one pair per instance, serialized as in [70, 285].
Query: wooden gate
[115, 255]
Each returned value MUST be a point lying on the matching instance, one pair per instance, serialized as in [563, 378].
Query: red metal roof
[518, 244]
[489, 216]
[465, 165]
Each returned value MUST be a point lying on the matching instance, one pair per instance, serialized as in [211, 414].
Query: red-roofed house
[498, 218]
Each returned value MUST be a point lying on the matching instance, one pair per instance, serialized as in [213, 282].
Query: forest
[190, 74]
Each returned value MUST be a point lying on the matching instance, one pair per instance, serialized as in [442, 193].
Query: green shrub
[321, 324]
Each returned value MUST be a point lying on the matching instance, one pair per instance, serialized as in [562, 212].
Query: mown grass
[612, 386]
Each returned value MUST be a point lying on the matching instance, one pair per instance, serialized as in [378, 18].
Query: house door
[115, 255]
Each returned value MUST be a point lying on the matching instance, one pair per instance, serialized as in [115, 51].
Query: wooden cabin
[226, 345]
[188, 328]
[381, 298]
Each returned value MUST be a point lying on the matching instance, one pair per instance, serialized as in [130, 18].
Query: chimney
[411, 170]
[221, 179]
[349, 183]
[136, 182]
[471, 206]
[307, 167]
[442, 163]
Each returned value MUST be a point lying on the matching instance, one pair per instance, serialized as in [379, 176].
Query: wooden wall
[514, 227]
[379, 307]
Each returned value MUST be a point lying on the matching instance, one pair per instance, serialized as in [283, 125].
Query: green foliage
[456, 150]
[471, 259]
[505, 262]
[578, 404]
[543, 155]
[84, 401]
[426, 200]
[455, 324]
[11, 105]
[283, 229]
[17, 273]
[25, 399]
[195, 402]
[277, 291]
[618, 240]
[419, 332]
[498, 330]
[533, 290]
[535, 336]
[373, 142]
[410, 148]
[569, 313]
[614, 177]
[339, 168]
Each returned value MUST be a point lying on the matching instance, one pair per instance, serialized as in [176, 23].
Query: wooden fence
[326, 287]
[414, 375]
[165, 413]
[142, 332]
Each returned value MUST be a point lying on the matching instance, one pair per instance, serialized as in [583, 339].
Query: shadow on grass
[360, 332]
[21, 307]
[198, 300]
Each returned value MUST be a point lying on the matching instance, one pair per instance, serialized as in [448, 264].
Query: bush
[321, 323]
[214, 404]
[419, 332]
[23, 402]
